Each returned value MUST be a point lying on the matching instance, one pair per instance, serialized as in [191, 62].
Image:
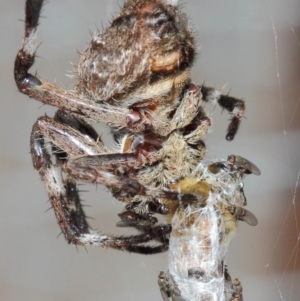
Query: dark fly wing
[249, 218]
[244, 165]
[252, 168]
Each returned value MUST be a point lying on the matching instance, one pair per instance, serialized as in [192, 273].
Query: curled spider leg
[66, 203]
[47, 93]
[233, 105]
[64, 199]
[50, 94]
[61, 189]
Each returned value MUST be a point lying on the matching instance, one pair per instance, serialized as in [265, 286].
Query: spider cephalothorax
[134, 76]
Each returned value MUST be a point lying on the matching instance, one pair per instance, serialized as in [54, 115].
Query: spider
[135, 76]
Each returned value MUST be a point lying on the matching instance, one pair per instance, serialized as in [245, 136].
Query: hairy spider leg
[233, 105]
[64, 196]
[52, 95]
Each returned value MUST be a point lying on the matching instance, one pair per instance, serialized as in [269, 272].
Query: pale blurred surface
[254, 48]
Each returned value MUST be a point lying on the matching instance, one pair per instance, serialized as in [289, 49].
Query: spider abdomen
[146, 53]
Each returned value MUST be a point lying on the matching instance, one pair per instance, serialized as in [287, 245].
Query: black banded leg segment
[162, 236]
[130, 243]
[25, 57]
[159, 233]
[233, 105]
[72, 222]
[62, 191]
[72, 196]
[52, 95]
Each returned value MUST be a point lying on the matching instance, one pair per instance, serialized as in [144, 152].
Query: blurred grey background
[253, 46]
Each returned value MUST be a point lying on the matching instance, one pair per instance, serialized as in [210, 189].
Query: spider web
[265, 62]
